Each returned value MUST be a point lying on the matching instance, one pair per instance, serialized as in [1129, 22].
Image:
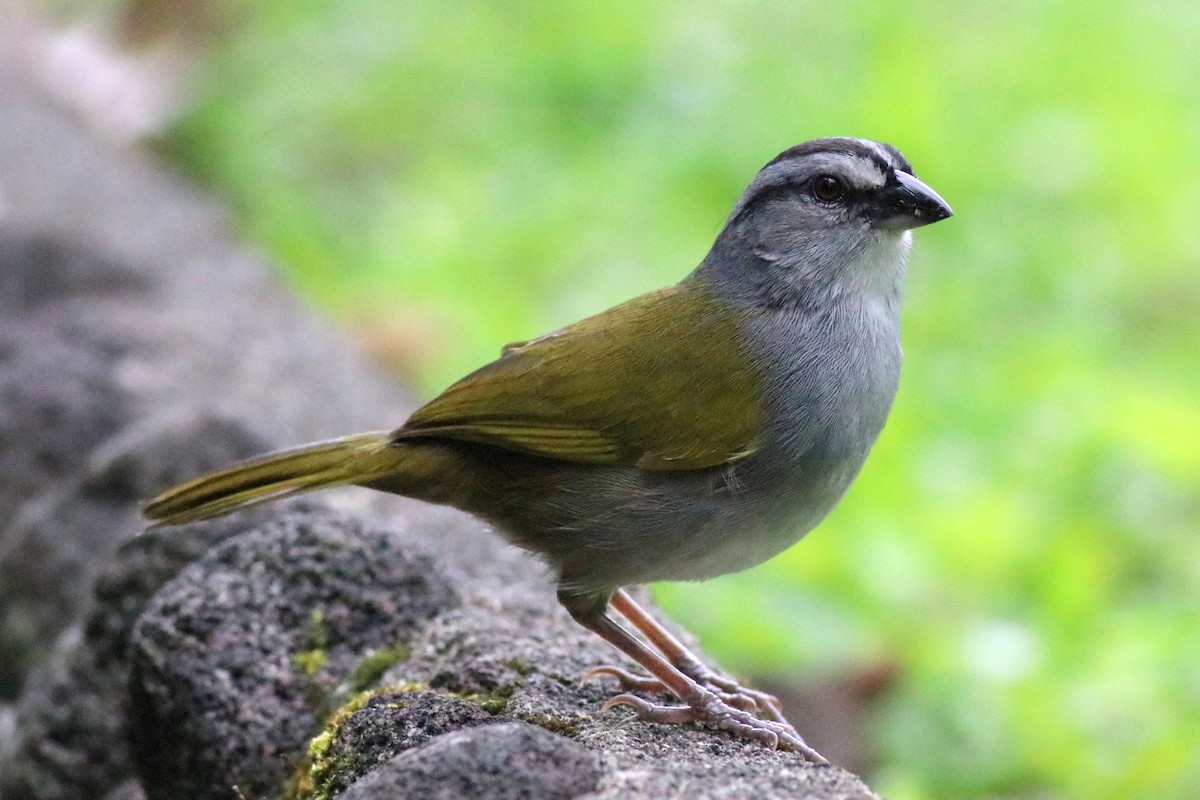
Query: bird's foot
[709, 709]
[728, 691]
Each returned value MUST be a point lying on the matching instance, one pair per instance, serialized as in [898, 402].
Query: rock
[71, 725]
[39, 269]
[125, 309]
[513, 761]
[375, 727]
[129, 790]
[236, 659]
[57, 403]
[53, 551]
[729, 779]
[8, 733]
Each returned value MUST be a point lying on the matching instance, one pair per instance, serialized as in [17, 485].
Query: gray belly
[650, 526]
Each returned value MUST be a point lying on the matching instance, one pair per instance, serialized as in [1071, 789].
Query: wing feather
[661, 382]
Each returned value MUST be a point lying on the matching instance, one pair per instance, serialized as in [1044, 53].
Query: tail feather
[338, 462]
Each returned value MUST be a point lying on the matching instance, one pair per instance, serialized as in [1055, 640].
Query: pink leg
[685, 661]
[701, 703]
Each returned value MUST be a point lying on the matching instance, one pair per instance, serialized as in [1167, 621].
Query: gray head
[824, 218]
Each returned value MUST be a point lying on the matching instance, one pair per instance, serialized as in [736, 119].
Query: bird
[690, 432]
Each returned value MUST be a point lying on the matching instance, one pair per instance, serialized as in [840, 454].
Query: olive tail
[338, 462]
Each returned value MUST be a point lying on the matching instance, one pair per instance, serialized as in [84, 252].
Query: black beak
[908, 203]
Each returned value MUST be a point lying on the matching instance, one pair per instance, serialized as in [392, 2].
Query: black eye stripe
[803, 190]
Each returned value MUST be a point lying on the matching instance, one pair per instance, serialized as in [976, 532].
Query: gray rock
[129, 790]
[71, 725]
[728, 779]
[236, 659]
[58, 544]
[57, 402]
[514, 761]
[386, 724]
[38, 269]
[124, 305]
[8, 732]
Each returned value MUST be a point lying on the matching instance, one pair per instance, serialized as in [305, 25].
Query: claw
[636, 703]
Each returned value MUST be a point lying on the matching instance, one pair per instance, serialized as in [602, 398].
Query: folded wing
[661, 382]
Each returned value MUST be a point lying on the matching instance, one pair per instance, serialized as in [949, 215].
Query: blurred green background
[1022, 546]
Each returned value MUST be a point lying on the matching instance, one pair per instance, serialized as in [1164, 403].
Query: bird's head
[830, 214]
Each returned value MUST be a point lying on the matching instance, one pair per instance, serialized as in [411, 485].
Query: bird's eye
[828, 189]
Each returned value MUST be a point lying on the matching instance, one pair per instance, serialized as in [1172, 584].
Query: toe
[628, 681]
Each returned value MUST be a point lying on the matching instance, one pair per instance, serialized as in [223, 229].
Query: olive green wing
[661, 382]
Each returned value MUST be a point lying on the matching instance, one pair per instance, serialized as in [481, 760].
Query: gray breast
[832, 379]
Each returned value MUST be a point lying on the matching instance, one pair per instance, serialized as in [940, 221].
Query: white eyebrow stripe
[884, 155]
[862, 173]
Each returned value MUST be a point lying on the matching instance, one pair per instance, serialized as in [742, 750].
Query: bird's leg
[700, 703]
[733, 693]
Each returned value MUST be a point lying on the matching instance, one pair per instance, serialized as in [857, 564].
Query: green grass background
[1023, 542]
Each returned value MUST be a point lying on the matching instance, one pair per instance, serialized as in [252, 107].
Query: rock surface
[236, 659]
[513, 761]
[347, 645]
